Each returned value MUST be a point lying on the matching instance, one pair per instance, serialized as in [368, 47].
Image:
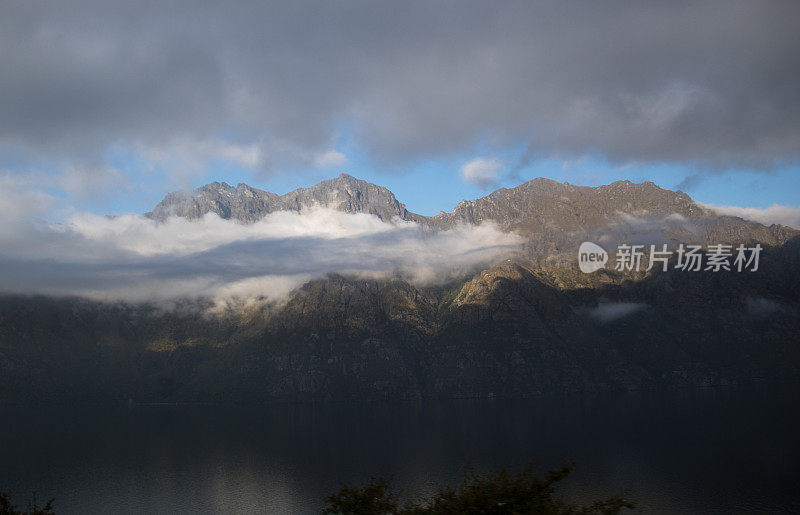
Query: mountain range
[525, 324]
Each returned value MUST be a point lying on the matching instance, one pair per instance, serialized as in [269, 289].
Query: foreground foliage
[503, 491]
[6, 508]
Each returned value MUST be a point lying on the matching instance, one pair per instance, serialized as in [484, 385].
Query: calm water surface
[698, 451]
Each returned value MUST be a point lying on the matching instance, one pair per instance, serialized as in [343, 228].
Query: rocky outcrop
[241, 203]
[554, 216]
[246, 204]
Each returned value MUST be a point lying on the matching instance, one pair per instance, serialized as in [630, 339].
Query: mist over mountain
[552, 216]
[529, 208]
[338, 291]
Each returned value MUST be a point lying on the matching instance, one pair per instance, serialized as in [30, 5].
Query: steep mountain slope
[560, 212]
[518, 327]
[506, 331]
[556, 216]
[539, 204]
[241, 203]
[246, 204]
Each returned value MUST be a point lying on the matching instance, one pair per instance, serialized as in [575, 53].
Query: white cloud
[482, 171]
[21, 205]
[775, 214]
[94, 181]
[180, 236]
[189, 151]
[20, 199]
[184, 158]
[132, 258]
[330, 159]
[224, 293]
[244, 155]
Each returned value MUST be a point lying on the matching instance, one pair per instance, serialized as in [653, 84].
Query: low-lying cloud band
[136, 259]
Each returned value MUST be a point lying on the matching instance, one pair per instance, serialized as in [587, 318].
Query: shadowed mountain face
[518, 327]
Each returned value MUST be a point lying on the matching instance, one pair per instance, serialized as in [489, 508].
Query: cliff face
[246, 204]
[518, 327]
[552, 215]
[541, 203]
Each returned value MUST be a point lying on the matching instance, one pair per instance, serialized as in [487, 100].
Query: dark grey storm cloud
[714, 83]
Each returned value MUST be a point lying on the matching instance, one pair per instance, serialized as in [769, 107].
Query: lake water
[691, 451]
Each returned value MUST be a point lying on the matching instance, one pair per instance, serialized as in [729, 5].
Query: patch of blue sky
[426, 185]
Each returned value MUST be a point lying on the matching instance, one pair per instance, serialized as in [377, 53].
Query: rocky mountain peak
[350, 195]
[543, 209]
[247, 204]
[241, 203]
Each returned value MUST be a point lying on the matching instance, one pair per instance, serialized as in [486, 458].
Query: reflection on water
[698, 451]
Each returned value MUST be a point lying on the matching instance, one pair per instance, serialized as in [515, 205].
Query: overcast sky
[106, 106]
[109, 104]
